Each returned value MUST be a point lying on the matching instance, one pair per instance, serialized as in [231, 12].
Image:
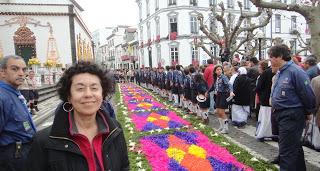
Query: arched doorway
[25, 43]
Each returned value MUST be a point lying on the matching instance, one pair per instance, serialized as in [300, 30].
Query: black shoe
[275, 139]
[276, 160]
[260, 139]
[36, 107]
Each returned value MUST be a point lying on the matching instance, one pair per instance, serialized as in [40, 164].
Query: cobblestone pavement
[265, 150]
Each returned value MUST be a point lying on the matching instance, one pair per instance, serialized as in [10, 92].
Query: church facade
[49, 30]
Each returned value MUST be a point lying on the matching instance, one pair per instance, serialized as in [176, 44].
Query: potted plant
[34, 62]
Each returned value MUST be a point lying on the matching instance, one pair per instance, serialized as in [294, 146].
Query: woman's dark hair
[186, 71]
[215, 76]
[192, 69]
[167, 68]
[198, 78]
[280, 51]
[311, 60]
[81, 67]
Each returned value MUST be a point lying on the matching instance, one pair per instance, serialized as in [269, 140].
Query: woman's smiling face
[86, 94]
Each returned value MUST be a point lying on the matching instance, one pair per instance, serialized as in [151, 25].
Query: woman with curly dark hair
[83, 136]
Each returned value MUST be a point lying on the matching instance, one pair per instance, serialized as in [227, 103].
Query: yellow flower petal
[166, 118]
[176, 154]
[197, 151]
[151, 119]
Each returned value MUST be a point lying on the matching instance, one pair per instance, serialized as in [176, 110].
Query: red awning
[125, 57]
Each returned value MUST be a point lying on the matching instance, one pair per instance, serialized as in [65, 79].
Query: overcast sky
[103, 13]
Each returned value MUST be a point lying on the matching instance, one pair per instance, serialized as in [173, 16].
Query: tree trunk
[314, 28]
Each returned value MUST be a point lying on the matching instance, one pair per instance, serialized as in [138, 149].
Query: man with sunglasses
[16, 125]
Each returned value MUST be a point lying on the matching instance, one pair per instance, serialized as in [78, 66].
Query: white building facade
[168, 30]
[44, 29]
[101, 50]
[114, 43]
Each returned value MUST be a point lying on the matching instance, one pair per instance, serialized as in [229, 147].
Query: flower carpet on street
[149, 114]
[160, 138]
[161, 119]
[187, 151]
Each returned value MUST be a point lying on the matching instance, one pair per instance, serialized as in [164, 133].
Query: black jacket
[263, 88]
[54, 150]
[242, 87]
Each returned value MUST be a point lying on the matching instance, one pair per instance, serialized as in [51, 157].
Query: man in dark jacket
[292, 102]
[16, 125]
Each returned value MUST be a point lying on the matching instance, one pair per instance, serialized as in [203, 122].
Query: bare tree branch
[264, 23]
[201, 44]
[301, 9]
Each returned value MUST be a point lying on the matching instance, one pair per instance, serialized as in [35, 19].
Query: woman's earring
[64, 107]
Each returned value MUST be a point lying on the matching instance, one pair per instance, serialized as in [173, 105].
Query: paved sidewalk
[46, 110]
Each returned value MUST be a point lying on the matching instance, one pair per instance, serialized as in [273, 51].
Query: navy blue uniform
[292, 98]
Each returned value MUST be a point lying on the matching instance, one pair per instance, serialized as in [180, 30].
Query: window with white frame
[293, 22]
[172, 2]
[148, 7]
[173, 24]
[140, 11]
[194, 53]
[194, 2]
[156, 4]
[158, 54]
[212, 2]
[174, 54]
[278, 23]
[230, 3]
[246, 4]
[142, 56]
[293, 45]
[212, 24]
[212, 49]
[263, 54]
[194, 25]
[141, 33]
[158, 27]
[260, 22]
[148, 30]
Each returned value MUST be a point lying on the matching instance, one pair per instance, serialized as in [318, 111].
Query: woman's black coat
[242, 87]
[54, 150]
[264, 87]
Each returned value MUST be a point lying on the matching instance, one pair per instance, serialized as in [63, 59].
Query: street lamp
[260, 35]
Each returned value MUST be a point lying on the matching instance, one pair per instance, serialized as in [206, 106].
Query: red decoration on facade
[158, 38]
[221, 42]
[133, 58]
[173, 35]
[149, 42]
[195, 40]
[195, 62]
[125, 57]
[174, 63]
